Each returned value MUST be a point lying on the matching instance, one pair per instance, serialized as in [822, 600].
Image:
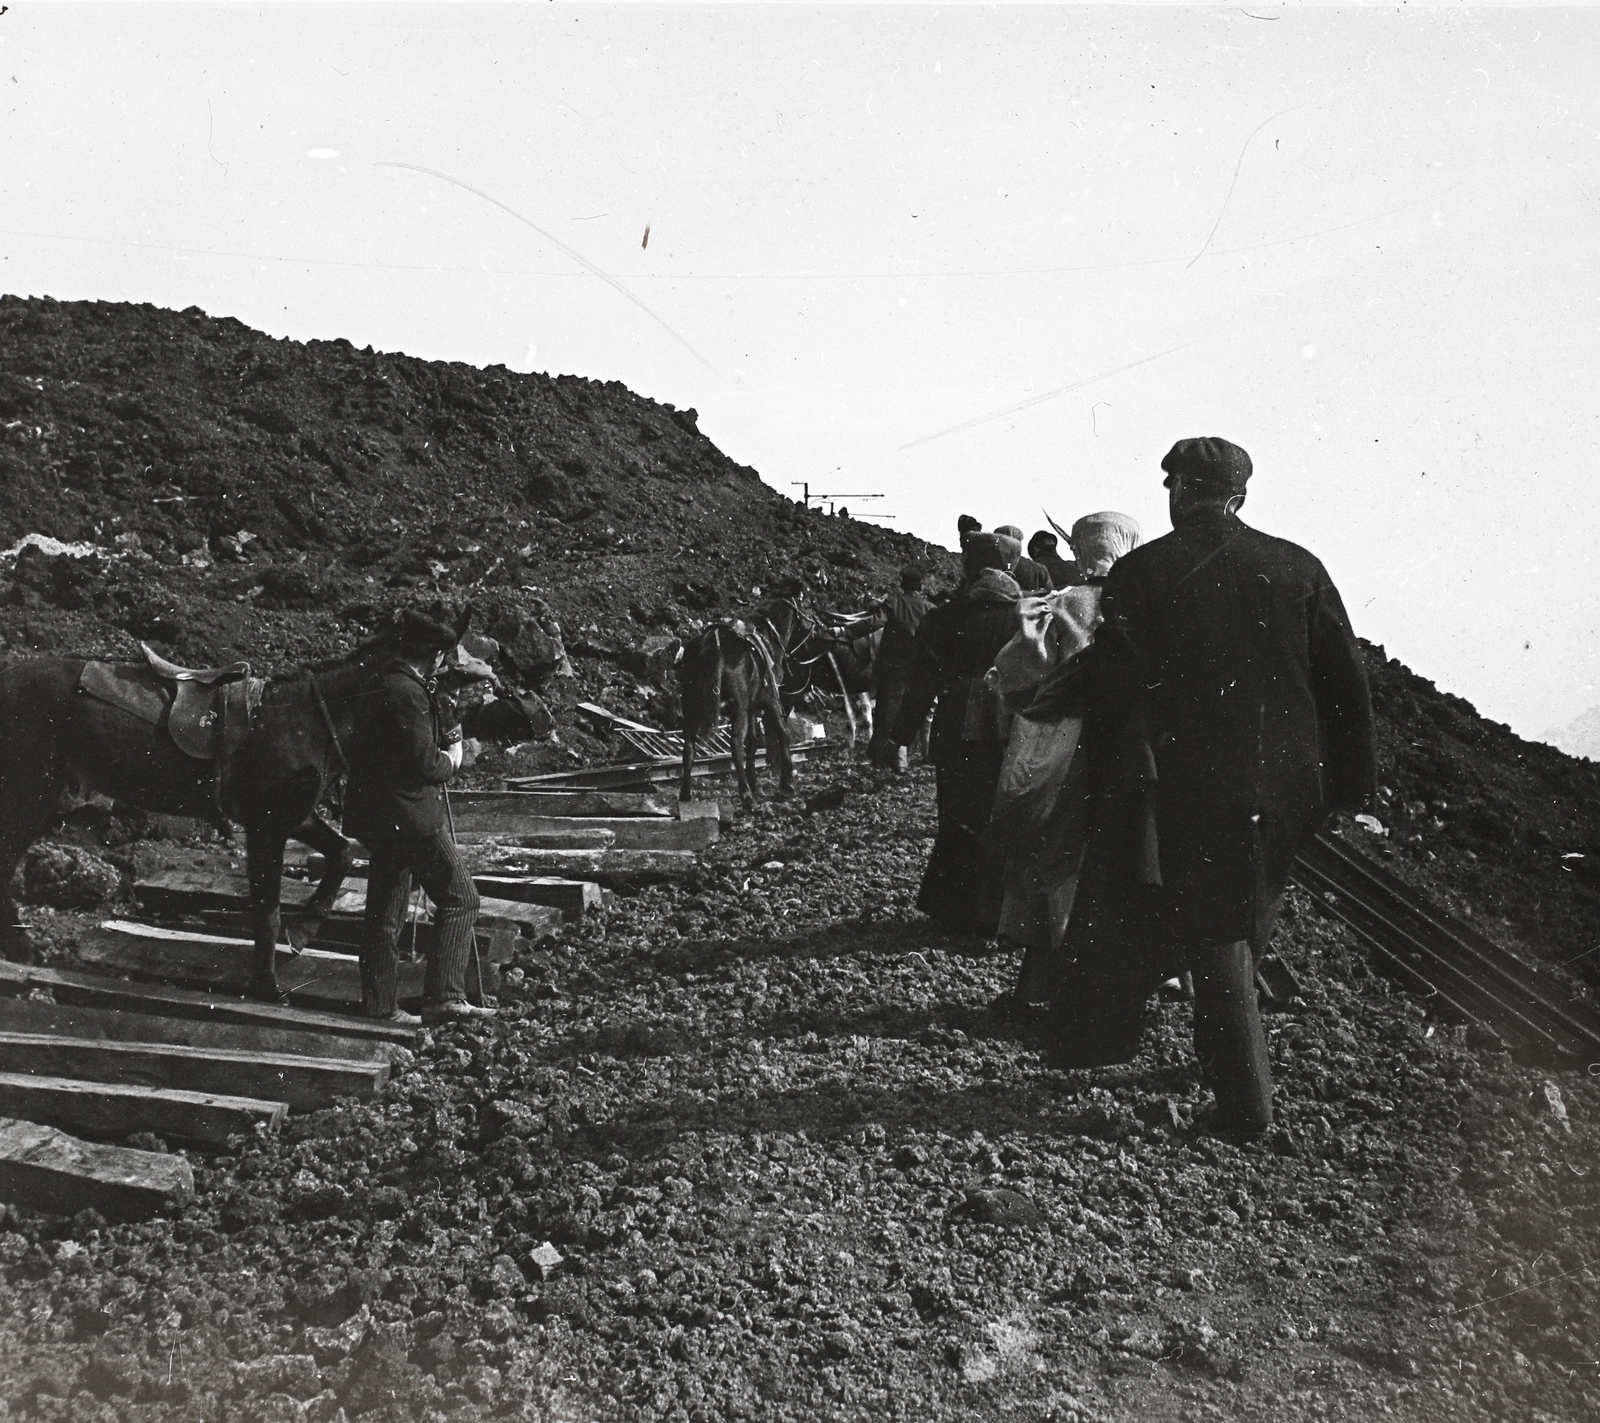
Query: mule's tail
[701, 684]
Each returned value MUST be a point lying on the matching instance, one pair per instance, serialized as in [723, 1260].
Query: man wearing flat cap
[404, 750]
[1229, 716]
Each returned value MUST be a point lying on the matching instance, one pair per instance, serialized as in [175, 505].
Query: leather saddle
[205, 676]
[212, 707]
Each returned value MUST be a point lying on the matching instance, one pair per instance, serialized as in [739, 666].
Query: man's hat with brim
[1208, 462]
[422, 636]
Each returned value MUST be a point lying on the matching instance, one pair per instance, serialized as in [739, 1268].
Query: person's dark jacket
[1031, 577]
[1233, 649]
[396, 767]
[899, 615]
[956, 645]
[1064, 572]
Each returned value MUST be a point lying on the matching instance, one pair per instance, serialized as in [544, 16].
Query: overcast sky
[1360, 243]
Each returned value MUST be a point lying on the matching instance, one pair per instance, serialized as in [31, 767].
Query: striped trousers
[436, 865]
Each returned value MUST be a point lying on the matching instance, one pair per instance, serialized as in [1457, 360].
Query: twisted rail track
[1466, 974]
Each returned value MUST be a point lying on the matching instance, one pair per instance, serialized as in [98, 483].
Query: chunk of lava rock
[999, 1206]
[830, 799]
[533, 651]
[381, 1376]
[66, 877]
[294, 1374]
[545, 1260]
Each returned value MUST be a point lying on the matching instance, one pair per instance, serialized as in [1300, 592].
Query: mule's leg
[264, 862]
[849, 710]
[29, 795]
[688, 763]
[738, 732]
[335, 851]
[778, 745]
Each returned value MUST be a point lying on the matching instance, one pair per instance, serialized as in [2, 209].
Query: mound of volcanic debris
[203, 487]
[1506, 831]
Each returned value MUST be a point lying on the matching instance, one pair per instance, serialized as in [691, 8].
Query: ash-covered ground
[794, 1168]
[753, 1147]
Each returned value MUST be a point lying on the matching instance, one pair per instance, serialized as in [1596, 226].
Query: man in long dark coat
[1043, 550]
[898, 617]
[956, 644]
[1229, 717]
[404, 750]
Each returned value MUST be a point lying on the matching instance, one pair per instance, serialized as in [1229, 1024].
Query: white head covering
[1101, 539]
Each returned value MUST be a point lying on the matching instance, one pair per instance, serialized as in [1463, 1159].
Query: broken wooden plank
[703, 810]
[211, 961]
[32, 1015]
[573, 898]
[184, 891]
[305, 1083]
[313, 979]
[626, 867]
[589, 802]
[48, 1170]
[627, 774]
[119, 1108]
[95, 990]
[548, 836]
[607, 718]
[539, 832]
[486, 810]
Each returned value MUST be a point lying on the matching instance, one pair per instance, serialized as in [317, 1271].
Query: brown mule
[741, 663]
[53, 737]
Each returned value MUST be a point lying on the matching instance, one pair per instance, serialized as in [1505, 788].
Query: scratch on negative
[572, 252]
[1479, 1303]
[1228, 197]
[211, 128]
[1040, 399]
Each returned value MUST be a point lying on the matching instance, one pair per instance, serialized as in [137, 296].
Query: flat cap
[419, 634]
[1210, 461]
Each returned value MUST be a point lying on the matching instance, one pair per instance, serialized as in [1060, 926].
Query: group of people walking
[1131, 748]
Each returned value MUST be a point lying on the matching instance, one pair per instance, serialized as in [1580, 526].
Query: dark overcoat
[397, 770]
[956, 644]
[1231, 652]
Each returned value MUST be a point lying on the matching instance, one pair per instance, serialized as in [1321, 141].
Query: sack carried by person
[1038, 757]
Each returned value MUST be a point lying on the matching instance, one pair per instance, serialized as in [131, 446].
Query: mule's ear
[463, 622]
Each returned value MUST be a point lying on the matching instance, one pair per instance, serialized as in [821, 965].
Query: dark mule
[840, 663]
[53, 737]
[741, 663]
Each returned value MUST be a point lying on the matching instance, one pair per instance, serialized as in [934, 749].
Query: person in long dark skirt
[956, 644]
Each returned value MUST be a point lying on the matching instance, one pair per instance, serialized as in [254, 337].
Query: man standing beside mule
[404, 751]
[1230, 717]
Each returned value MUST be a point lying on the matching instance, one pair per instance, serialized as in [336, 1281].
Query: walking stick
[477, 963]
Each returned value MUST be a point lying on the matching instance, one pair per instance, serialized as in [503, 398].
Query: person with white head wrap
[1040, 815]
